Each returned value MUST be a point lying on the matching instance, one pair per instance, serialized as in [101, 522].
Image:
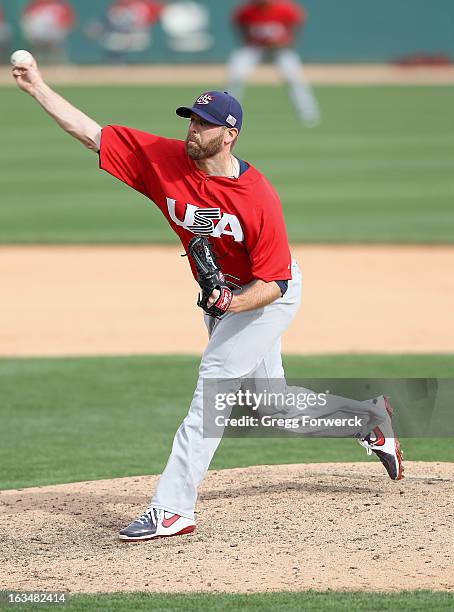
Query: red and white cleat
[383, 441]
[156, 523]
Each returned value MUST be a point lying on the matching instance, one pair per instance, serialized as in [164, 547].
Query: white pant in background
[243, 61]
[241, 345]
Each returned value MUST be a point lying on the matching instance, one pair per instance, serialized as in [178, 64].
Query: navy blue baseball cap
[217, 107]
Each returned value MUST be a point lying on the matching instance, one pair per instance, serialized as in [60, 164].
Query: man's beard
[197, 151]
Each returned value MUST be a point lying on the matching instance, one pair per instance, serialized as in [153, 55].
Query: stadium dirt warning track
[267, 528]
[318, 74]
[59, 301]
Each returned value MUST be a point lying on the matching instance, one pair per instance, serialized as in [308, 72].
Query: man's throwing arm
[69, 118]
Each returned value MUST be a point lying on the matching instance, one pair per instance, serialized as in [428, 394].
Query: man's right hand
[28, 77]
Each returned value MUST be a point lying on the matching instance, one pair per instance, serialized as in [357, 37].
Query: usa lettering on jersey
[202, 221]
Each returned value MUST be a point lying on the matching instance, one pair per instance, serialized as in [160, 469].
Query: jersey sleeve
[126, 154]
[269, 251]
[239, 16]
[154, 9]
[296, 15]
[68, 16]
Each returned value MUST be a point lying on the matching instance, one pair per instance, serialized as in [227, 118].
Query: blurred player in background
[187, 26]
[46, 25]
[268, 29]
[126, 28]
[5, 35]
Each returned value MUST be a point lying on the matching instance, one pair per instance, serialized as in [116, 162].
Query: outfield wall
[337, 31]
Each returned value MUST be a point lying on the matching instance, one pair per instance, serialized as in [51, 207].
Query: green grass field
[125, 411]
[379, 169]
[311, 601]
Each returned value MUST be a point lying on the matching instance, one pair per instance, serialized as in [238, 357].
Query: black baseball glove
[209, 277]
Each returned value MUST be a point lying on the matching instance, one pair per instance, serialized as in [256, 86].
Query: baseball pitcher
[229, 220]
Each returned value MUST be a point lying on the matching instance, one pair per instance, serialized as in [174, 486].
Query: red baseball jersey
[136, 13]
[242, 216]
[56, 12]
[269, 25]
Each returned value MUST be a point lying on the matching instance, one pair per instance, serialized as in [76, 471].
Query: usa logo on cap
[204, 99]
[215, 107]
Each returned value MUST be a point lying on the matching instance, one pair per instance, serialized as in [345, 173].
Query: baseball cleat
[156, 523]
[384, 443]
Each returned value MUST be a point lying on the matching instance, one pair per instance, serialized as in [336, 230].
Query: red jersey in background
[271, 24]
[54, 13]
[137, 14]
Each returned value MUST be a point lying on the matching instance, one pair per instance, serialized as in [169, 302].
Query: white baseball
[21, 57]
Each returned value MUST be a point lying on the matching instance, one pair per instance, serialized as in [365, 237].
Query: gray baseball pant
[241, 345]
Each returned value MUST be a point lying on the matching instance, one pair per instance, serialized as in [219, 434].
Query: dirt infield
[267, 528]
[121, 300]
[323, 74]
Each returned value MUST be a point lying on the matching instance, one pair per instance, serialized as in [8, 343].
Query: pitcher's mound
[267, 528]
